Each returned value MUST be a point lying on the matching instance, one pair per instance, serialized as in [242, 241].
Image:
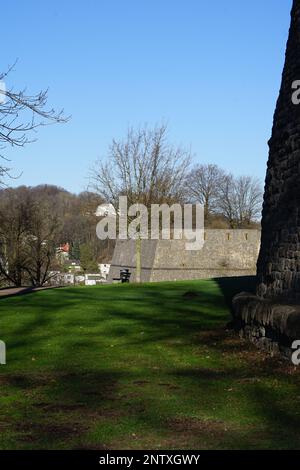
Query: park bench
[124, 276]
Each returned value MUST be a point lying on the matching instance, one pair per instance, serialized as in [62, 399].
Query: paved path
[9, 292]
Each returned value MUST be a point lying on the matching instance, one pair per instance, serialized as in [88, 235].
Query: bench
[124, 276]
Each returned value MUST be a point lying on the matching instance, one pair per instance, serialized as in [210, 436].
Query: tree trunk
[138, 259]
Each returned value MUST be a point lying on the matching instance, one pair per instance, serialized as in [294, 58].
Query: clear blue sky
[211, 69]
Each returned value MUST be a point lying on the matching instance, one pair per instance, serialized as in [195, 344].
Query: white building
[93, 279]
[105, 210]
[104, 270]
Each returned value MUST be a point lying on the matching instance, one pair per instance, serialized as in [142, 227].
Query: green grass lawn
[140, 367]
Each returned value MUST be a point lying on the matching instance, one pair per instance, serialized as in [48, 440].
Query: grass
[140, 367]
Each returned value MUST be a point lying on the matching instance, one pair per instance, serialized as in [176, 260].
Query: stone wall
[225, 253]
[271, 326]
[124, 257]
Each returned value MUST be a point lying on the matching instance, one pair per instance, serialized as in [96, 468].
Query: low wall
[270, 325]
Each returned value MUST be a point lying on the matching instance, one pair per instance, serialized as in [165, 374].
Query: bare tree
[240, 200]
[203, 185]
[27, 238]
[146, 168]
[248, 196]
[40, 244]
[21, 114]
[14, 217]
[226, 201]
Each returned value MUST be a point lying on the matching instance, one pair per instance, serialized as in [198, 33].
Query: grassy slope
[139, 367]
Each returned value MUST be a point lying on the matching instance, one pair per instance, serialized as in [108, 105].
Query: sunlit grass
[149, 366]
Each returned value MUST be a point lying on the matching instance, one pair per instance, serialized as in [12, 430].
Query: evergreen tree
[75, 250]
[87, 261]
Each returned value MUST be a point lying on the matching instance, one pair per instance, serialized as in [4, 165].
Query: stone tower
[271, 318]
[279, 259]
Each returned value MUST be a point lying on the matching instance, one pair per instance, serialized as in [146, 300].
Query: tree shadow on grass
[231, 286]
[63, 404]
[164, 313]
[60, 407]
[256, 414]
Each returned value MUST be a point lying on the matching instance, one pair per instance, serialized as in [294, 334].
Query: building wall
[225, 253]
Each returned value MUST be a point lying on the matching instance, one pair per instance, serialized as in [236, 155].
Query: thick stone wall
[125, 257]
[225, 253]
[279, 259]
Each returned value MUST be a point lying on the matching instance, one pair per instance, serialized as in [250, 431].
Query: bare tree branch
[21, 114]
[145, 167]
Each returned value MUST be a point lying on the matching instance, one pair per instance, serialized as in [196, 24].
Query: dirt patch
[20, 381]
[219, 337]
[185, 430]
[259, 364]
[186, 424]
[203, 374]
[33, 432]
[190, 295]
[169, 386]
[249, 380]
[91, 447]
[59, 407]
[24, 381]
[141, 382]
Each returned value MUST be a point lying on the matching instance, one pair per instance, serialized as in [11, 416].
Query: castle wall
[125, 257]
[225, 253]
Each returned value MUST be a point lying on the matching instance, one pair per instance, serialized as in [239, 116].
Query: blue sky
[210, 69]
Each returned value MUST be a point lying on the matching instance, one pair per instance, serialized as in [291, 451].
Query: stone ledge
[269, 325]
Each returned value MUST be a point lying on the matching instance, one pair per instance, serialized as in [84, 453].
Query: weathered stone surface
[272, 327]
[125, 257]
[226, 253]
[264, 314]
[279, 259]
[271, 320]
